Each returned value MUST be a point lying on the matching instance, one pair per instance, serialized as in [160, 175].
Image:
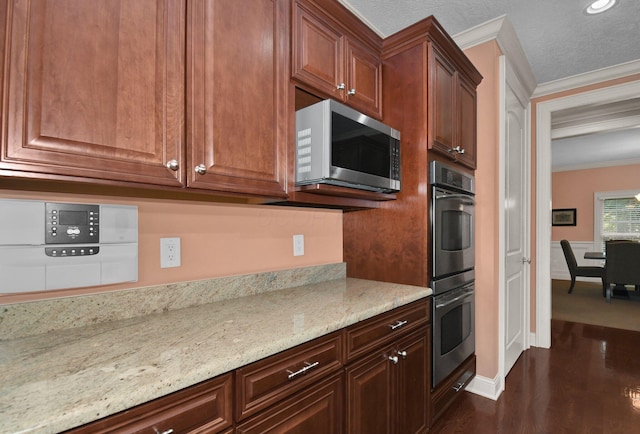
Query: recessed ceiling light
[599, 6]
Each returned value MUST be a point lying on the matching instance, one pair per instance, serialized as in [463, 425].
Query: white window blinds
[620, 219]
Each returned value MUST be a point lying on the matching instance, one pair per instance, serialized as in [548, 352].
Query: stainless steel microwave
[337, 145]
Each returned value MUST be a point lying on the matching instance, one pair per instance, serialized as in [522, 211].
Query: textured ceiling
[560, 41]
[558, 38]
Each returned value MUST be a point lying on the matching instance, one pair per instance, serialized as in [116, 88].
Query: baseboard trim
[486, 387]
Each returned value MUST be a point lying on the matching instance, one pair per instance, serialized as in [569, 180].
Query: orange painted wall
[575, 189]
[485, 58]
[216, 239]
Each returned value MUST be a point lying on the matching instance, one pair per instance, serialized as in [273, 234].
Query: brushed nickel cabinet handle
[394, 359]
[341, 86]
[201, 169]
[302, 370]
[351, 91]
[397, 324]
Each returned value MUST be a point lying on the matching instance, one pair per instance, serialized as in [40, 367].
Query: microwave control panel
[69, 223]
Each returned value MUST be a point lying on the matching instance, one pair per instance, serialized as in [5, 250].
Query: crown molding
[588, 78]
[501, 30]
[596, 165]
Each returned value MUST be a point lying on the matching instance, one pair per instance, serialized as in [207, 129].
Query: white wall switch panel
[298, 245]
[169, 252]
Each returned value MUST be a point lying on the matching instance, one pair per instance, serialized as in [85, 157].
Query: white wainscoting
[559, 268]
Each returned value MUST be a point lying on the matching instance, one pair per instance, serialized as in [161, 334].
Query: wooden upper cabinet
[318, 58]
[364, 75]
[237, 119]
[444, 104]
[95, 89]
[467, 122]
[96, 92]
[453, 111]
[330, 60]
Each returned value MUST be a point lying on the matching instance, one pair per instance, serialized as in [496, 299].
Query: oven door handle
[466, 293]
[466, 199]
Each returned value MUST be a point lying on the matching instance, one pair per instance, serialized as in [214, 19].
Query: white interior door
[516, 219]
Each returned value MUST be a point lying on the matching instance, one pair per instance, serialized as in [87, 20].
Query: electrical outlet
[298, 245]
[169, 252]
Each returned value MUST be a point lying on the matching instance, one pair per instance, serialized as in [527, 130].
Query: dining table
[595, 255]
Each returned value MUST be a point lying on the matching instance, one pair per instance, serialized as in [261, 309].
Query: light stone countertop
[57, 380]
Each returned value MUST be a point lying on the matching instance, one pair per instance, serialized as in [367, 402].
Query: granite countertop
[64, 378]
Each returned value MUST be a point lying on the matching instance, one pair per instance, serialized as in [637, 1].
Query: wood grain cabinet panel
[467, 122]
[267, 381]
[172, 93]
[453, 111]
[203, 408]
[388, 390]
[95, 89]
[435, 109]
[237, 118]
[332, 60]
[318, 409]
[366, 336]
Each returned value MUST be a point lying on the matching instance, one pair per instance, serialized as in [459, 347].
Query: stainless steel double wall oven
[452, 268]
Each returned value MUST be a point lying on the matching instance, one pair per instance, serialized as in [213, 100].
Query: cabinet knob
[351, 91]
[341, 86]
[169, 431]
[457, 150]
[173, 165]
[403, 354]
[394, 359]
[201, 169]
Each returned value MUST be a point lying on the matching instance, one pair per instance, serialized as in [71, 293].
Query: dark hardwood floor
[588, 382]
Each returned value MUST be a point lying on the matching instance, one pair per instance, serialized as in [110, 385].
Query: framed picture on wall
[563, 217]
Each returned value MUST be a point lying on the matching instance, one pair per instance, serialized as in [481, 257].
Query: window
[617, 217]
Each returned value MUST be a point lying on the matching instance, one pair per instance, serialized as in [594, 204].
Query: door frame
[544, 111]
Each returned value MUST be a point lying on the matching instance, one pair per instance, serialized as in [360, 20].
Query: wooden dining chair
[623, 265]
[578, 270]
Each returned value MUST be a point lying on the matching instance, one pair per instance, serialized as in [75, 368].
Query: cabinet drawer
[205, 407]
[450, 389]
[317, 409]
[381, 329]
[270, 380]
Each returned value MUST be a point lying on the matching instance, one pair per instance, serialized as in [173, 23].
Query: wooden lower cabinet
[307, 389]
[388, 390]
[316, 410]
[203, 408]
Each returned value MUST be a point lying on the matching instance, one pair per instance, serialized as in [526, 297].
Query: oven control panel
[71, 223]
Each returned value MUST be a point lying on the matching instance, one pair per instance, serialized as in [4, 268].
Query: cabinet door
[467, 138]
[318, 52]
[364, 79]
[370, 395]
[414, 382]
[94, 89]
[443, 104]
[237, 96]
